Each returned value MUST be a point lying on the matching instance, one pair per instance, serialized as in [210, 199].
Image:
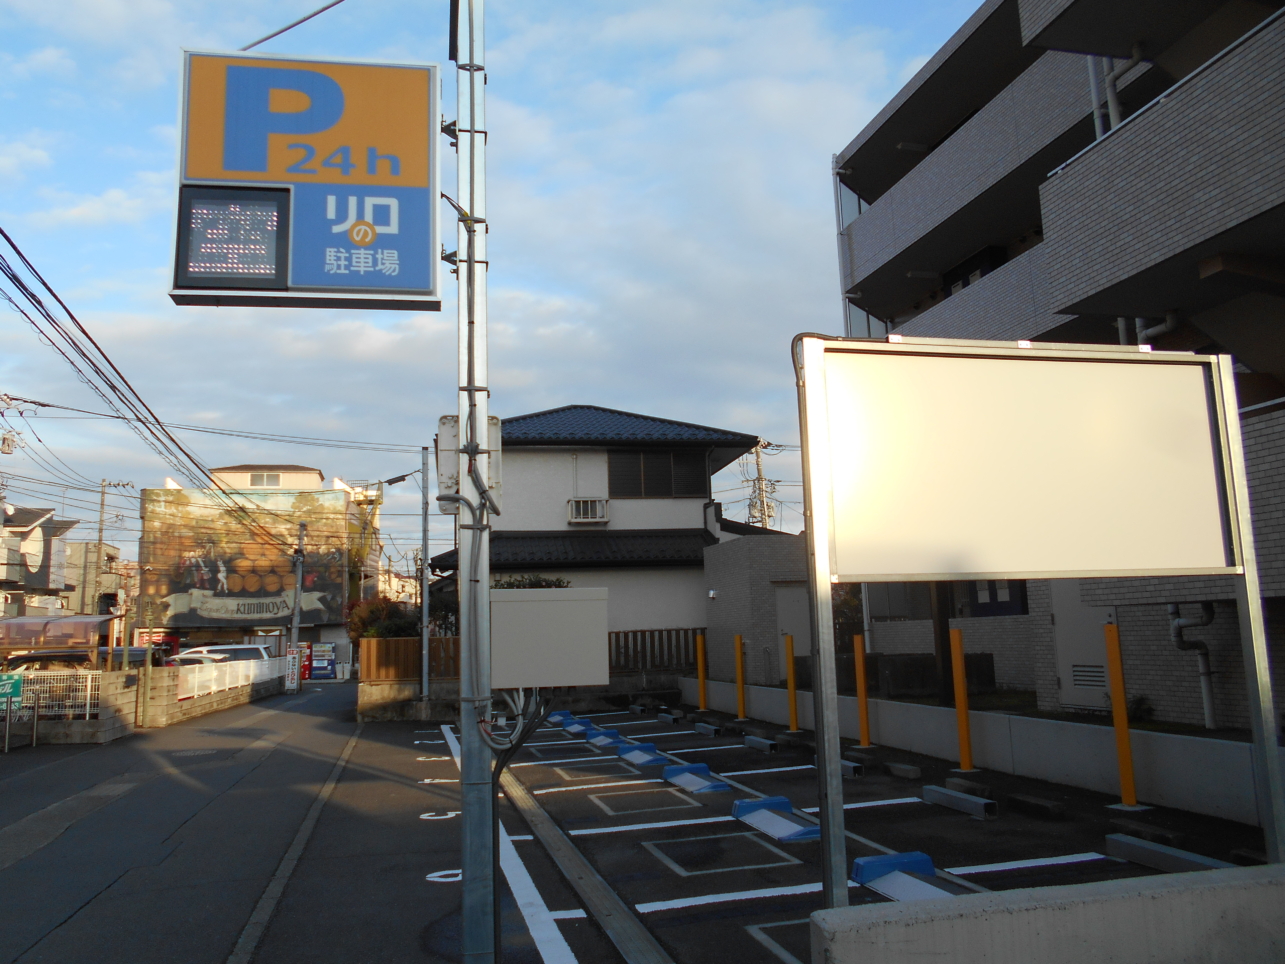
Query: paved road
[159, 847]
[173, 845]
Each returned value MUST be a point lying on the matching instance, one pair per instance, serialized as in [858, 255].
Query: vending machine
[323, 661]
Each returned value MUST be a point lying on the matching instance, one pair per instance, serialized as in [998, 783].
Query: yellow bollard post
[700, 670]
[789, 684]
[740, 677]
[961, 702]
[1120, 716]
[863, 698]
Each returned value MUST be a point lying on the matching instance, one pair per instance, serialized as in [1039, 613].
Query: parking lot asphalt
[162, 847]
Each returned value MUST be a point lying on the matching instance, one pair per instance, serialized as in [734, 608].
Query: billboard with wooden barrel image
[216, 560]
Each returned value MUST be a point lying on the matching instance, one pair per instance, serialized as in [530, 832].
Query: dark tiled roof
[267, 468]
[600, 549]
[592, 425]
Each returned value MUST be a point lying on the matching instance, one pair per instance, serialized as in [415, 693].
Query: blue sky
[660, 209]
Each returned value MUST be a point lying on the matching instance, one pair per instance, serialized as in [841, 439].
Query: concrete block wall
[1025, 118]
[164, 708]
[1018, 643]
[1198, 162]
[741, 573]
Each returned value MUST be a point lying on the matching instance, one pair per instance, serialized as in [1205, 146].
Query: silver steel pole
[423, 578]
[35, 717]
[298, 589]
[8, 718]
[1269, 782]
[808, 362]
[476, 759]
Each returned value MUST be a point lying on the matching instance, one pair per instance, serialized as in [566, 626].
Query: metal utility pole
[298, 588]
[423, 577]
[473, 530]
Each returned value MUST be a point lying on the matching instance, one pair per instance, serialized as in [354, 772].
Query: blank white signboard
[548, 637]
[1032, 463]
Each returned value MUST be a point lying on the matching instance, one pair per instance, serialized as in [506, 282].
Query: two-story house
[604, 498]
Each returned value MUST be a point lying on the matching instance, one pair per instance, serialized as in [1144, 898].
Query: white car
[231, 651]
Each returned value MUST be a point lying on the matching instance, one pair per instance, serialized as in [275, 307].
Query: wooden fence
[398, 658]
[645, 650]
[633, 651]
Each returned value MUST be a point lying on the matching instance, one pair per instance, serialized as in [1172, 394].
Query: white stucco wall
[645, 598]
[538, 482]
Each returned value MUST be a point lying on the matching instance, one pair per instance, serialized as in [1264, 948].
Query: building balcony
[1181, 208]
[979, 189]
[1009, 304]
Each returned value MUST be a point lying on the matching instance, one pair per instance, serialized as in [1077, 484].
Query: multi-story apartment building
[1084, 171]
[33, 561]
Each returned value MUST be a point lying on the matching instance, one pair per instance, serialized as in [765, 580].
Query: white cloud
[18, 157]
[52, 62]
[150, 193]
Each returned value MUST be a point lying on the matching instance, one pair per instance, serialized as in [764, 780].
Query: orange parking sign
[255, 118]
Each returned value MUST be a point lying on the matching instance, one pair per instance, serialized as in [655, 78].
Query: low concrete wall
[1235, 916]
[164, 708]
[1196, 774]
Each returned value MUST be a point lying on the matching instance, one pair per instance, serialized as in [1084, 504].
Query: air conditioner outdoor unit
[586, 510]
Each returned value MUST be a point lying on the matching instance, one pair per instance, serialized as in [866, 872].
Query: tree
[380, 617]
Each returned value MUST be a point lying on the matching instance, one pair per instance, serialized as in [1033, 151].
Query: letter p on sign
[249, 116]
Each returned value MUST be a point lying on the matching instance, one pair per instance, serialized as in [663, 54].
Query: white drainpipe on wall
[1176, 625]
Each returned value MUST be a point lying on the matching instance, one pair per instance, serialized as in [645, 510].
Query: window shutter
[624, 475]
[691, 474]
[658, 475]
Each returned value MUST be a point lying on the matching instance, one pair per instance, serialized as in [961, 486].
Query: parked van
[232, 651]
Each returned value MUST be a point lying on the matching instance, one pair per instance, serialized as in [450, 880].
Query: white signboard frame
[965, 460]
[1134, 443]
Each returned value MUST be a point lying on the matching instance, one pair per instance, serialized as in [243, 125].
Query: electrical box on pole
[448, 460]
[308, 183]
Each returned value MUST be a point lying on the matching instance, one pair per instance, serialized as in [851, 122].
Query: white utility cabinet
[548, 637]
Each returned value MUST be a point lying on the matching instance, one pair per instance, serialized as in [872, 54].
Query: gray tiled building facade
[1085, 171]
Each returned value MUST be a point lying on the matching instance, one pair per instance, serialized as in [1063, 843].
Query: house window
[587, 510]
[265, 479]
[991, 597]
[659, 474]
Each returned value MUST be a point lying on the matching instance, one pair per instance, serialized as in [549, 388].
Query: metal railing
[61, 695]
[645, 650]
[206, 678]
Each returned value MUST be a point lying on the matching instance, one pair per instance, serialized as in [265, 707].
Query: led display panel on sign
[348, 150]
[1006, 462]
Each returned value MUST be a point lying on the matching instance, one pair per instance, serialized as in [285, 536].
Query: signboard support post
[423, 578]
[1269, 782]
[825, 694]
[473, 530]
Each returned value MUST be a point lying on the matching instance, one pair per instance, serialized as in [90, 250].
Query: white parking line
[540, 922]
[574, 759]
[659, 825]
[1021, 864]
[596, 786]
[669, 733]
[568, 914]
[554, 743]
[706, 749]
[741, 773]
[655, 905]
[868, 803]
